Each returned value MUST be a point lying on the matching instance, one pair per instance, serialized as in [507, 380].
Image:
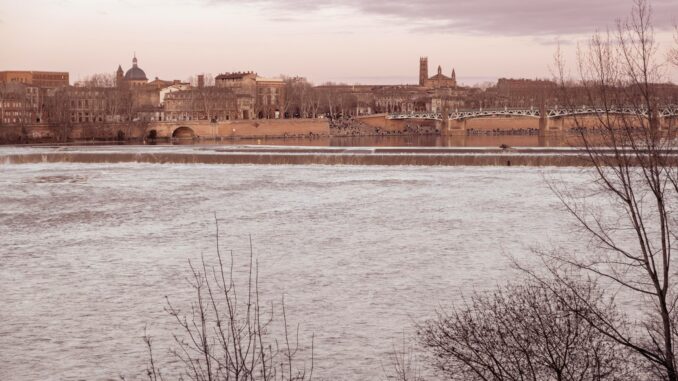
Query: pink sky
[324, 40]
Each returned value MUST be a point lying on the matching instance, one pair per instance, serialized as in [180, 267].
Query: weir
[305, 156]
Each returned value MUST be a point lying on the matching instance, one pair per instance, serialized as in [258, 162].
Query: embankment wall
[33, 133]
[261, 128]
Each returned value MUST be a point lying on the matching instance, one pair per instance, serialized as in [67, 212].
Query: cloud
[506, 17]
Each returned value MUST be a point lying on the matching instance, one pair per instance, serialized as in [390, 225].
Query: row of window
[85, 103]
[201, 116]
[10, 104]
[267, 90]
[53, 77]
[12, 113]
[14, 120]
[86, 117]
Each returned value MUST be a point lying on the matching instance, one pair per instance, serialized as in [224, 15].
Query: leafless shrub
[226, 333]
[403, 363]
[527, 331]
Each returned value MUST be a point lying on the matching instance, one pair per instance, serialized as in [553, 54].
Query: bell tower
[423, 70]
[119, 76]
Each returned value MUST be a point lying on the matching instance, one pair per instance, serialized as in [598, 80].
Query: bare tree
[313, 102]
[209, 79]
[673, 53]
[527, 332]
[297, 94]
[628, 211]
[225, 335]
[97, 80]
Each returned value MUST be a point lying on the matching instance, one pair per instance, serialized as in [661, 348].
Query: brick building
[75, 105]
[21, 103]
[42, 79]
[439, 80]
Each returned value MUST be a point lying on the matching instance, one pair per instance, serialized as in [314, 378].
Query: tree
[527, 331]
[628, 211]
[225, 334]
[97, 80]
[313, 102]
[297, 97]
[673, 54]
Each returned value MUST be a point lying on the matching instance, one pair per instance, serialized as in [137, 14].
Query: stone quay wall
[261, 128]
[258, 128]
[50, 133]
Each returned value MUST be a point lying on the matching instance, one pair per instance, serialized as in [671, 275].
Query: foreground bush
[529, 331]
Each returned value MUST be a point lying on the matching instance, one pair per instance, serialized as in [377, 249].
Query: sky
[352, 41]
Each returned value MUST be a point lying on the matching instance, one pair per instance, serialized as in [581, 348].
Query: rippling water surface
[361, 253]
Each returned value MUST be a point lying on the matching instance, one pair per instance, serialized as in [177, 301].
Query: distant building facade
[21, 103]
[42, 79]
[178, 86]
[76, 105]
[268, 93]
[207, 103]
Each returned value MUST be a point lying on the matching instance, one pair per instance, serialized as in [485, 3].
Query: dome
[135, 73]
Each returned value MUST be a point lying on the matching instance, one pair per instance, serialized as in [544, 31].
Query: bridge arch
[183, 132]
[152, 134]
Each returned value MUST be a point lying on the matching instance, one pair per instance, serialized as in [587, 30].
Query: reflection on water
[450, 141]
[399, 141]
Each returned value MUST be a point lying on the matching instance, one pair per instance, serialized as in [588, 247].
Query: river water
[360, 253]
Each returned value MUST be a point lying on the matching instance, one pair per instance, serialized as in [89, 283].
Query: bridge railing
[555, 112]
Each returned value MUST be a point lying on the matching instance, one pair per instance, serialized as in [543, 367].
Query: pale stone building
[268, 93]
[208, 103]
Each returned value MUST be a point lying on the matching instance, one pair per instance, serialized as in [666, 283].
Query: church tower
[119, 76]
[423, 70]
[454, 78]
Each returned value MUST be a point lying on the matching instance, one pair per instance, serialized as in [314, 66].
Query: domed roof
[135, 73]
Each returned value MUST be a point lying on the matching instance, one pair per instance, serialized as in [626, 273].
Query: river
[361, 253]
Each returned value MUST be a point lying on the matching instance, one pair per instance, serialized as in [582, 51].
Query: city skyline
[326, 41]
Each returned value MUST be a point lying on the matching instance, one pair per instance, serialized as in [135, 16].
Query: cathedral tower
[423, 70]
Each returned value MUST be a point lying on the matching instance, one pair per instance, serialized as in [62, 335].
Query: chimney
[201, 81]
